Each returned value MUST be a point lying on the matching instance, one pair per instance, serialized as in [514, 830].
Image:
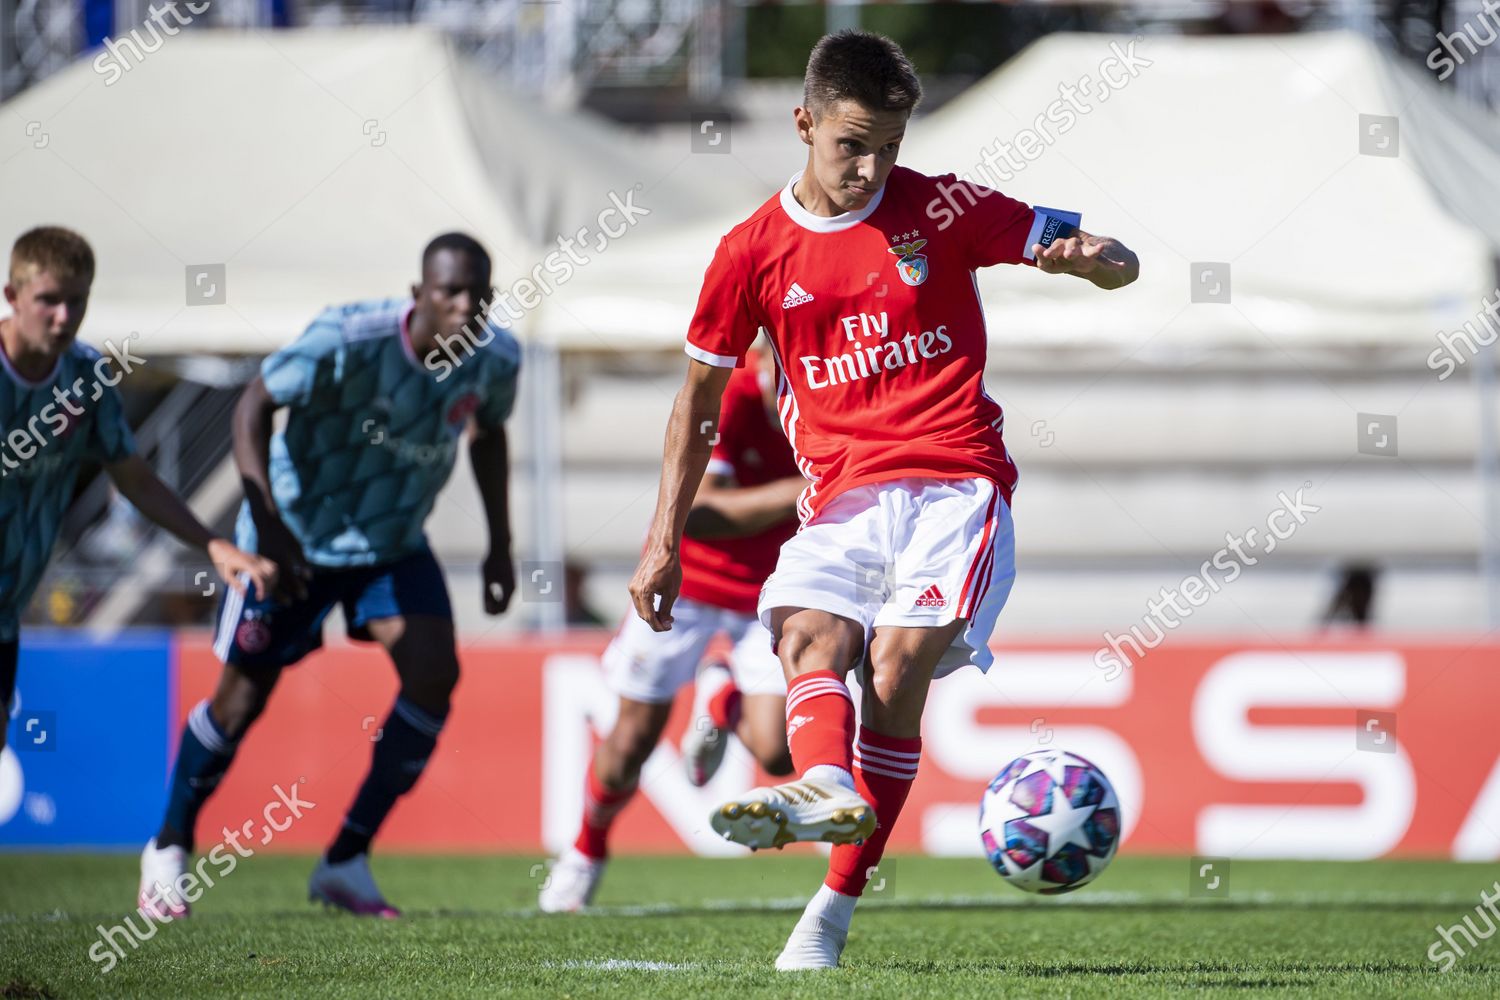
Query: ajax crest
[912, 266]
[461, 410]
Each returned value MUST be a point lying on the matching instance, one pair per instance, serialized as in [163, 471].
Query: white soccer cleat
[571, 884]
[815, 944]
[349, 886]
[803, 810]
[160, 868]
[703, 743]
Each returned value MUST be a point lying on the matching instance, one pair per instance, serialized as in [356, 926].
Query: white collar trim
[825, 223]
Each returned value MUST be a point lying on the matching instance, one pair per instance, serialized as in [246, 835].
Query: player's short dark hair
[61, 252]
[462, 243]
[863, 67]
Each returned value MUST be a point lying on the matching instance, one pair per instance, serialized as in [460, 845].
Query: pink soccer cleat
[158, 897]
[349, 886]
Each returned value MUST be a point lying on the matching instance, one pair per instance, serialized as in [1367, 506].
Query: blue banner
[88, 743]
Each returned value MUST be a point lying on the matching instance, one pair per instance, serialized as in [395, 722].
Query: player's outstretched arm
[489, 453]
[722, 510]
[155, 499]
[252, 456]
[690, 434]
[1103, 260]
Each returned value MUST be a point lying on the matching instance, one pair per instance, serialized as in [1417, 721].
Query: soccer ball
[1050, 822]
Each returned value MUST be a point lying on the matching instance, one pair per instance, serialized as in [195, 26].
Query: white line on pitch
[626, 964]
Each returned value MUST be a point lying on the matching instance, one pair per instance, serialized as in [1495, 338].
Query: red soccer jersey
[751, 450]
[877, 325]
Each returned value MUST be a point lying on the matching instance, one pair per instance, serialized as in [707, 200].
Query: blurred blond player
[862, 272]
[745, 510]
[58, 410]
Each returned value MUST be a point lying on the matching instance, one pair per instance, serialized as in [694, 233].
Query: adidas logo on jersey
[795, 296]
[932, 598]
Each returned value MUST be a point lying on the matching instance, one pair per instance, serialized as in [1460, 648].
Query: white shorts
[650, 667]
[907, 552]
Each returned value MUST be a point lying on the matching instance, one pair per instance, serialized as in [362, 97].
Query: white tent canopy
[1455, 144]
[313, 165]
[641, 294]
[1242, 151]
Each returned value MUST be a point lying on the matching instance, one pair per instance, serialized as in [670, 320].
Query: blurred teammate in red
[745, 510]
[862, 273]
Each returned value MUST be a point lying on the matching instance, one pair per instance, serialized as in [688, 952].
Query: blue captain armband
[1049, 225]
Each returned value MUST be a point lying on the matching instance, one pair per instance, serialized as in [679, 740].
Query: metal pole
[841, 14]
[544, 411]
[734, 43]
[1487, 468]
[7, 39]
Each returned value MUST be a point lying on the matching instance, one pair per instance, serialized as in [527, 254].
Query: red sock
[600, 807]
[819, 721]
[884, 767]
[724, 708]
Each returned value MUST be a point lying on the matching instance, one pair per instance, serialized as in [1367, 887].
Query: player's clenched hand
[277, 543]
[659, 575]
[499, 582]
[231, 562]
[1082, 254]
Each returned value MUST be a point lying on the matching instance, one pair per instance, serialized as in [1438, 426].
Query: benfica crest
[912, 266]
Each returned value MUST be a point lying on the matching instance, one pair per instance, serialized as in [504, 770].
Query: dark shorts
[254, 633]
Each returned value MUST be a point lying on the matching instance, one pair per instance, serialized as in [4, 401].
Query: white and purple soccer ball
[1050, 822]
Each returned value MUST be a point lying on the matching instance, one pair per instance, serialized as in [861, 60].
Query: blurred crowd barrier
[1307, 747]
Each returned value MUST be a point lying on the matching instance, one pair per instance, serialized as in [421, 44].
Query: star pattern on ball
[1049, 822]
[1056, 764]
[1029, 878]
[1064, 824]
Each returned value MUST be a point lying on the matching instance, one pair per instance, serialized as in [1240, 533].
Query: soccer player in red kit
[862, 273]
[744, 511]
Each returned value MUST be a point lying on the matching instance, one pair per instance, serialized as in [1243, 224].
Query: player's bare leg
[762, 729]
[902, 662]
[424, 652]
[613, 777]
[817, 649]
[208, 744]
[719, 710]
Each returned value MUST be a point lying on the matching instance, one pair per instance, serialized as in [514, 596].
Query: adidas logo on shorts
[932, 598]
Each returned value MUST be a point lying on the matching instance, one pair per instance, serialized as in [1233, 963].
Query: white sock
[830, 772]
[833, 906]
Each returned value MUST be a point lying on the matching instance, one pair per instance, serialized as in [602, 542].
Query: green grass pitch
[683, 927]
